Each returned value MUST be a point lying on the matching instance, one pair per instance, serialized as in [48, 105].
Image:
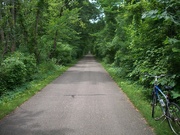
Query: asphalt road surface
[82, 101]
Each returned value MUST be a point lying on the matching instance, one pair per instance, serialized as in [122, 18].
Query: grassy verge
[138, 96]
[11, 101]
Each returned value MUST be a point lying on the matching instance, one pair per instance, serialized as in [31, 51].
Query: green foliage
[64, 54]
[15, 70]
[34, 33]
[12, 99]
[139, 37]
[141, 99]
[30, 63]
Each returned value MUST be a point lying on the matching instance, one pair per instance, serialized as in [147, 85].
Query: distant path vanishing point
[82, 101]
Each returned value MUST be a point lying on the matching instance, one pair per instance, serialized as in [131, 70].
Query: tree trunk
[13, 42]
[1, 30]
[35, 49]
[4, 46]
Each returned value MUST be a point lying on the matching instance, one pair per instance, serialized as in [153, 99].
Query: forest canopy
[140, 37]
[134, 36]
[36, 35]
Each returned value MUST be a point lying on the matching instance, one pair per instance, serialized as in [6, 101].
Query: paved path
[83, 101]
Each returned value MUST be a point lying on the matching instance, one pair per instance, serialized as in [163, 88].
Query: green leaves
[146, 39]
[175, 94]
[174, 44]
[171, 41]
[150, 14]
[15, 70]
[33, 32]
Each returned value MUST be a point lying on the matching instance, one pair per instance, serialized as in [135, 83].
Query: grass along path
[136, 94]
[139, 97]
[14, 99]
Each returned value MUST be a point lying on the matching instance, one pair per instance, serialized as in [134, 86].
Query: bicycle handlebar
[155, 76]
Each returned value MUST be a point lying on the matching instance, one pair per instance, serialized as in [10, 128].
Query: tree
[146, 41]
[45, 31]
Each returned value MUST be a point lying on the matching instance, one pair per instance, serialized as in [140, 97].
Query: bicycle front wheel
[174, 117]
[157, 109]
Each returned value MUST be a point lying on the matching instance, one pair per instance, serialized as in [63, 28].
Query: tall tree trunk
[13, 42]
[36, 52]
[36, 32]
[4, 46]
[1, 29]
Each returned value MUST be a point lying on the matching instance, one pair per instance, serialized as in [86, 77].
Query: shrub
[15, 70]
[63, 54]
[31, 67]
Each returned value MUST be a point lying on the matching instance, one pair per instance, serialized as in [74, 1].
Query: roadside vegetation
[141, 99]
[12, 99]
[139, 37]
[39, 39]
[37, 35]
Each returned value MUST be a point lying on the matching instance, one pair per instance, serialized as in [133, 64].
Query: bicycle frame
[157, 90]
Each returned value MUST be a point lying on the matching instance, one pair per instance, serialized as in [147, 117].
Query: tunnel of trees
[133, 36]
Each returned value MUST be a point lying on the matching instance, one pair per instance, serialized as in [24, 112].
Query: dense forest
[133, 36]
[140, 37]
[38, 35]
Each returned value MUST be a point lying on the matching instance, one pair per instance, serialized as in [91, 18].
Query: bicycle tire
[174, 117]
[157, 112]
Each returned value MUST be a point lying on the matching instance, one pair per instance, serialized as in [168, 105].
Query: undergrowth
[141, 98]
[12, 99]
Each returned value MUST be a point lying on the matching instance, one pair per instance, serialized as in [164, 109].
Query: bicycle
[162, 107]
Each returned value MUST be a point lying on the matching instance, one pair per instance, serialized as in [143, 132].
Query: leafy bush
[47, 66]
[15, 70]
[63, 53]
[31, 67]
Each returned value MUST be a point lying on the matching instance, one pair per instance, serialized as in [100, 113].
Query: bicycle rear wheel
[157, 109]
[174, 117]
